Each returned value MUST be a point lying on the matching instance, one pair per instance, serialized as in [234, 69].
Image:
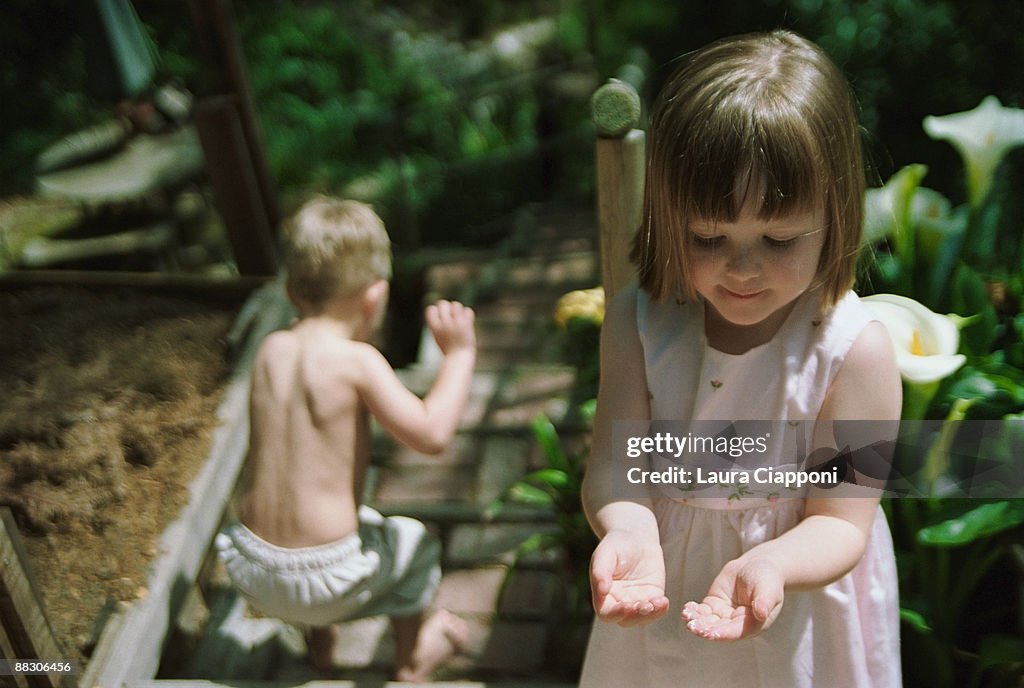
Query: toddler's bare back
[309, 438]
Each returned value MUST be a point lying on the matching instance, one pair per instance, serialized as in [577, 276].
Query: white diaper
[389, 567]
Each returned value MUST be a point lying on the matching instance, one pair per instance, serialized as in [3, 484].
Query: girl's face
[751, 271]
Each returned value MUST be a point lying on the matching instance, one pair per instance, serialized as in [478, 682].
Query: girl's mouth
[743, 295]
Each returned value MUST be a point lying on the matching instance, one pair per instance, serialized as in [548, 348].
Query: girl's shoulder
[669, 315]
[838, 327]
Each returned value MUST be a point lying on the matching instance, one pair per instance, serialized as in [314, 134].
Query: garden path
[517, 640]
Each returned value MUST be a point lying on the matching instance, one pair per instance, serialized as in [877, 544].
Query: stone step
[358, 683]
[241, 646]
[487, 280]
[505, 399]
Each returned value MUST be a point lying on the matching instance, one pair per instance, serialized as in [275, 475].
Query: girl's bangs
[771, 168]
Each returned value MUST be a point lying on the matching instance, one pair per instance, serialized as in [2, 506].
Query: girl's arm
[627, 569]
[747, 595]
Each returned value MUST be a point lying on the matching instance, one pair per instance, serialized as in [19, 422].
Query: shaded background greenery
[385, 95]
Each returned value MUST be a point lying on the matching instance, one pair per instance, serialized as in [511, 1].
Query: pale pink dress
[846, 634]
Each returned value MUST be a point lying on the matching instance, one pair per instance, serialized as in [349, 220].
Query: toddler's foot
[442, 637]
[320, 646]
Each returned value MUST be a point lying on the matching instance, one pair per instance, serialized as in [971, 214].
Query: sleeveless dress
[845, 634]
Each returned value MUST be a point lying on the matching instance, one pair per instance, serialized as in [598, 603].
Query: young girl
[743, 311]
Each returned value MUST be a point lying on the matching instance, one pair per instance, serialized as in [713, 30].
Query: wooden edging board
[24, 629]
[132, 641]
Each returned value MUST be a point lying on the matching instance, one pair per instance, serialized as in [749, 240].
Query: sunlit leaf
[983, 521]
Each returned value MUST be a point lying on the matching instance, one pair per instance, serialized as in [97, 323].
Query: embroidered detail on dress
[716, 383]
[815, 322]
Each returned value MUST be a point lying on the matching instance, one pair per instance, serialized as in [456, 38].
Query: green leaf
[534, 543]
[546, 435]
[968, 296]
[994, 393]
[1006, 444]
[996, 649]
[588, 409]
[985, 520]
[915, 620]
[528, 494]
[550, 477]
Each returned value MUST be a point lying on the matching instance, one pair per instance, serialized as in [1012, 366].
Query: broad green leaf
[982, 521]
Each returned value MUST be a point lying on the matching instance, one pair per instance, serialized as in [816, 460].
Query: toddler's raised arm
[425, 424]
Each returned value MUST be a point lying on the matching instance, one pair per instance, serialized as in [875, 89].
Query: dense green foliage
[399, 96]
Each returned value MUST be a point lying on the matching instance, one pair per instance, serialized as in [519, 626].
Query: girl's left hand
[744, 599]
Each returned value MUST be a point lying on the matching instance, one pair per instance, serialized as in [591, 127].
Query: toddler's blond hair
[335, 248]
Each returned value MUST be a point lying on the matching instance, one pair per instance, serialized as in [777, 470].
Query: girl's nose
[743, 262]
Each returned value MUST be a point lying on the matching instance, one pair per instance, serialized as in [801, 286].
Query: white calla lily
[982, 136]
[887, 208]
[925, 341]
[936, 221]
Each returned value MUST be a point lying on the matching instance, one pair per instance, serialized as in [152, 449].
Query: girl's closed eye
[780, 244]
[706, 241]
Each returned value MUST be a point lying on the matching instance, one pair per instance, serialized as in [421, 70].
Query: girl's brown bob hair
[766, 119]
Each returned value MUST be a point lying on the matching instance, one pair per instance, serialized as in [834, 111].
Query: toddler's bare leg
[320, 645]
[422, 646]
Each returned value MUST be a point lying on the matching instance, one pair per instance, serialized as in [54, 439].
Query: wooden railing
[620, 159]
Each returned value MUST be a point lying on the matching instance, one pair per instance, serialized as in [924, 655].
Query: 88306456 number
[36, 667]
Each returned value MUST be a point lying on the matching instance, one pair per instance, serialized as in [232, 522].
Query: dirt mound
[109, 402]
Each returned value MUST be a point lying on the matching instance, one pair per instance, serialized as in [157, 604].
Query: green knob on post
[615, 109]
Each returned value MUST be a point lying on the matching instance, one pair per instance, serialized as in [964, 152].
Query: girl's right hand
[627, 579]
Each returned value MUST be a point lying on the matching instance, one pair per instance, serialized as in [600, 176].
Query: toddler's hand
[451, 323]
[627, 580]
[744, 599]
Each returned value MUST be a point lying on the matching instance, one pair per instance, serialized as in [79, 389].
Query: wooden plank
[7, 652]
[131, 644]
[26, 628]
[157, 238]
[230, 289]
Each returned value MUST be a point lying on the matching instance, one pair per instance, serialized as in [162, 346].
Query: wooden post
[236, 185]
[25, 632]
[215, 25]
[251, 214]
[620, 179]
